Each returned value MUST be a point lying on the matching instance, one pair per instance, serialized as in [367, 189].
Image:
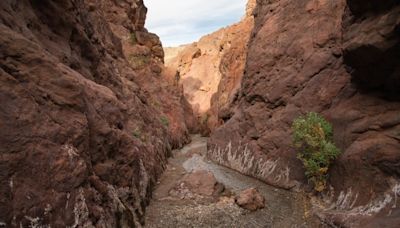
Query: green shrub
[137, 133]
[312, 136]
[204, 119]
[164, 120]
[139, 61]
[132, 38]
[156, 104]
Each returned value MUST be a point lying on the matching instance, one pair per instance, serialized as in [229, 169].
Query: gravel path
[283, 208]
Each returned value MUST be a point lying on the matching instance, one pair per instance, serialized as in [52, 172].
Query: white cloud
[184, 21]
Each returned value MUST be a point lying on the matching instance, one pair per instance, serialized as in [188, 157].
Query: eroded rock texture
[338, 58]
[81, 140]
[145, 55]
[210, 70]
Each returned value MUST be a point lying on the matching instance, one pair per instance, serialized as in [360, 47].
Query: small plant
[132, 38]
[164, 120]
[137, 133]
[312, 136]
[156, 104]
[138, 61]
[204, 119]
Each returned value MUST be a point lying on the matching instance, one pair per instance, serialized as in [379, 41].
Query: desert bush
[132, 38]
[312, 137]
[155, 104]
[204, 119]
[137, 133]
[139, 61]
[164, 120]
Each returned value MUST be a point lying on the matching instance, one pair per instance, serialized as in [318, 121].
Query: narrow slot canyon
[288, 117]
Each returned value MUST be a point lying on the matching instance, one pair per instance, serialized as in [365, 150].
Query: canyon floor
[170, 209]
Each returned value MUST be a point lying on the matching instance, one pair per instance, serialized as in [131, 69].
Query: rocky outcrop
[145, 55]
[83, 138]
[210, 70]
[338, 58]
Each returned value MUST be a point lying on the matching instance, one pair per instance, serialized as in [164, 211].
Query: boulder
[197, 183]
[250, 199]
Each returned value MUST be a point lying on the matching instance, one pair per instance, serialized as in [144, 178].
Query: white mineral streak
[242, 159]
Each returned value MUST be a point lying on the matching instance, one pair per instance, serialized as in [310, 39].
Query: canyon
[92, 107]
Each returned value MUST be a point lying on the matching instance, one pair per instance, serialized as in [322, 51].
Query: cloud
[185, 21]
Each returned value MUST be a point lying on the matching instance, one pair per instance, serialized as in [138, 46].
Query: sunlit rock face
[210, 70]
[83, 136]
[338, 58]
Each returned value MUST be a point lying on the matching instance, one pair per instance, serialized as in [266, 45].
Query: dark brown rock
[80, 143]
[338, 58]
[250, 199]
[373, 55]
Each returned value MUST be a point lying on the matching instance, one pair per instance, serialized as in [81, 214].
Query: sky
[185, 21]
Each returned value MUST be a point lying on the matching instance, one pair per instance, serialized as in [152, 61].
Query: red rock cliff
[210, 70]
[338, 58]
[83, 136]
[145, 55]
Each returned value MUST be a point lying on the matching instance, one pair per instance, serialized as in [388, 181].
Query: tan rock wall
[211, 69]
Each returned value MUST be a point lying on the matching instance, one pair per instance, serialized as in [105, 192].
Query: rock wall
[83, 137]
[210, 70]
[145, 55]
[338, 58]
